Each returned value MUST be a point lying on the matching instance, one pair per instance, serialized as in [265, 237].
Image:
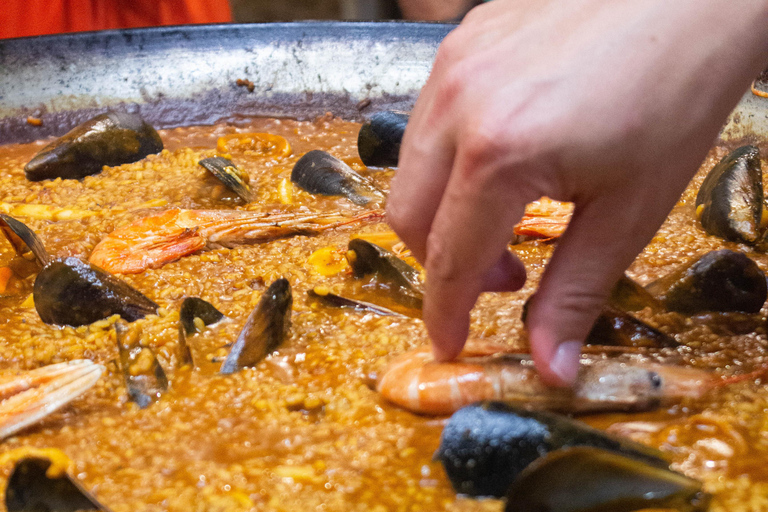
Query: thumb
[590, 257]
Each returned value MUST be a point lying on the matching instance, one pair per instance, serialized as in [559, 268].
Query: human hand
[611, 105]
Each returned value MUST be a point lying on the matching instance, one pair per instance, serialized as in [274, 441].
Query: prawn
[153, 241]
[545, 218]
[489, 371]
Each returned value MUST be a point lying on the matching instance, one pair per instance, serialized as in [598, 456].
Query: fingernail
[565, 363]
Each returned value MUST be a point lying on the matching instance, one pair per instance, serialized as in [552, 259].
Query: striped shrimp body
[158, 239]
[545, 218]
[487, 371]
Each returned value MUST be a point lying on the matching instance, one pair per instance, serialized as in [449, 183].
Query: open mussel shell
[71, 292]
[144, 378]
[113, 138]
[629, 295]
[730, 201]
[367, 258]
[587, 479]
[265, 329]
[30, 489]
[378, 142]
[616, 328]
[230, 175]
[22, 238]
[721, 280]
[326, 298]
[485, 446]
[192, 308]
[319, 172]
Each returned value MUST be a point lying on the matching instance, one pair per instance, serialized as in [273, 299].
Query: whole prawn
[153, 241]
[489, 371]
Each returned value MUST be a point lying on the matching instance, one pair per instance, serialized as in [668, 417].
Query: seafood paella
[218, 318]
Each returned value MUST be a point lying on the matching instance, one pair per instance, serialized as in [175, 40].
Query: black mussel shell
[71, 292]
[30, 489]
[485, 446]
[332, 300]
[628, 295]
[730, 201]
[718, 281]
[144, 378]
[378, 142]
[191, 308]
[113, 138]
[366, 258]
[318, 172]
[617, 328]
[22, 238]
[587, 479]
[264, 330]
[230, 175]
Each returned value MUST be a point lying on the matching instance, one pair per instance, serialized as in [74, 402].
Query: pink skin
[610, 105]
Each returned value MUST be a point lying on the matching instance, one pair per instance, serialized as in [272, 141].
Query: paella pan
[244, 328]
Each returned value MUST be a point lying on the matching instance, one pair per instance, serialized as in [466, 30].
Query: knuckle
[440, 263]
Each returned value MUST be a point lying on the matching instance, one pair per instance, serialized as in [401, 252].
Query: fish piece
[110, 139]
[144, 378]
[27, 397]
[22, 238]
[319, 172]
[485, 446]
[69, 291]
[378, 142]
[721, 280]
[39, 481]
[264, 330]
[230, 175]
[191, 308]
[153, 241]
[544, 218]
[730, 201]
[490, 371]
[403, 281]
[326, 298]
[585, 479]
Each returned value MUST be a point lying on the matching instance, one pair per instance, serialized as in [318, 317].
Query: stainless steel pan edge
[187, 75]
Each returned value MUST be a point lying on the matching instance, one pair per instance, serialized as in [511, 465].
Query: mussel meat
[378, 142]
[721, 280]
[113, 138]
[192, 308]
[144, 378]
[319, 172]
[730, 201]
[585, 479]
[264, 330]
[34, 485]
[69, 291]
[485, 446]
[230, 175]
[367, 258]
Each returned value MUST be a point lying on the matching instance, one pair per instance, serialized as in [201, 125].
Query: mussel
[378, 142]
[367, 258]
[730, 201]
[113, 138]
[485, 446]
[23, 238]
[144, 378]
[326, 298]
[69, 291]
[616, 328]
[230, 175]
[628, 295]
[721, 280]
[34, 485]
[318, 172]
[584, 479]
[264, 330]
[192, 308]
